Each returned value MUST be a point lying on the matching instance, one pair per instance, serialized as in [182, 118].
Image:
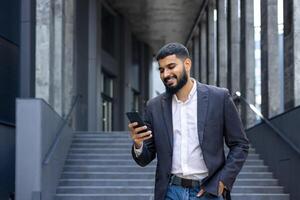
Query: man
[185, 128]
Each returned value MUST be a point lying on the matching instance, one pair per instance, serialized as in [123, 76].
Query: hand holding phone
[135, 117]
[139, 130]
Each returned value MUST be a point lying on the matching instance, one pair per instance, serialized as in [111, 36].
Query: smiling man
[186, 128]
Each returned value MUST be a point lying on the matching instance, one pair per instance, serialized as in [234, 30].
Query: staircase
[99, 166]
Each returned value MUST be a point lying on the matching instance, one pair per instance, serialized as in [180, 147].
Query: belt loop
[171, 179]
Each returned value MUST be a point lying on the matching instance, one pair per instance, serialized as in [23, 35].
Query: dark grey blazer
[218, 119]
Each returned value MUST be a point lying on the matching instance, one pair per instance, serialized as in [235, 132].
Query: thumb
[200, 193]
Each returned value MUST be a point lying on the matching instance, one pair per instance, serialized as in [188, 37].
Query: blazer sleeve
[236, 140]
[149, 150]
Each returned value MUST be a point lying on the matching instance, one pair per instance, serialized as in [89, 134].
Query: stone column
[43, 57]
[93, 72]
[291, 51]
[234, 46]
[27, 48]
[296, 23]
[247, 60]
[203, 50]
[196, 57]
[56, 71]
[270, 90]
[68, 68]
[222, 43]
[212, 79]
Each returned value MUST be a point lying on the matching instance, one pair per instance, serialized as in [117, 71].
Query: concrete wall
[280, 157]
[7, 154]
[34, 136]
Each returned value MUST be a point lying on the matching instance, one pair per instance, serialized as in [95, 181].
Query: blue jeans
[175, 192]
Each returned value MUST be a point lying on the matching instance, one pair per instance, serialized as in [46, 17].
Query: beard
[181, 82]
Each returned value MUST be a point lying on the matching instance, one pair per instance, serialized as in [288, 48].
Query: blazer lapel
[202, 106]
[167, 115]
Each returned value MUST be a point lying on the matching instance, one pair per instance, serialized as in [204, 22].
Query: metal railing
[59, 132]
[280, 133]
[6, 123]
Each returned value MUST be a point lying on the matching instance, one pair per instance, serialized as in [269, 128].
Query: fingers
[139, 134]
[200, 193]
[132, 127]
[221, 188]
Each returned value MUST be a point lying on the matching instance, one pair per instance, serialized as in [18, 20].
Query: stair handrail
[7, 123]
[238, 96]
[59, 132]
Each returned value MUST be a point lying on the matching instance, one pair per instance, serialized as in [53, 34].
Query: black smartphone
[135, 117]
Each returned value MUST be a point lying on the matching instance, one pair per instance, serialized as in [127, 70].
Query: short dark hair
[173, 48]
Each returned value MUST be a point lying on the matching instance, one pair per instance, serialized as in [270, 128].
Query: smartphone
[135, 117]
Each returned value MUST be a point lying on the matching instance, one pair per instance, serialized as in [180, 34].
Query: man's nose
[166, 73]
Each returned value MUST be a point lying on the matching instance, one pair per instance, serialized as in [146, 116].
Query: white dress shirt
[187, 161]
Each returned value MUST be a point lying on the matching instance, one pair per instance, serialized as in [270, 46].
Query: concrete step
[259, 196]
[107, 168]
[100, 150]
[257, 189]
[104, 197]
[126, 156]
[129, 161]
[107, 175]
[256, 182]
[150, 182]
[106, 182]
[147, 175]
[255, 175]
[104, 146]
[105, 189]
[121, 156]
[98, 166]
[136, 189]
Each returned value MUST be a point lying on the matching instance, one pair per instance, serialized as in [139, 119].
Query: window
[107, 102]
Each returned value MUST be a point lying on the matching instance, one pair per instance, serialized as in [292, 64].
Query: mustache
[169, 77]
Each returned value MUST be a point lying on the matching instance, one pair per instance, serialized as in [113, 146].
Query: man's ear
[187, 64]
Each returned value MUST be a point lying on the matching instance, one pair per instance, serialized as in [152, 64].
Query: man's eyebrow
[168, 65]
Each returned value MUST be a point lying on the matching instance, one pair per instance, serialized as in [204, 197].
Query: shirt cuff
[138, 151]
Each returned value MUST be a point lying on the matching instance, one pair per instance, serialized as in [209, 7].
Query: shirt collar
[191, 94]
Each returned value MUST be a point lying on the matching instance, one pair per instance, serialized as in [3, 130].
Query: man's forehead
[168, 59]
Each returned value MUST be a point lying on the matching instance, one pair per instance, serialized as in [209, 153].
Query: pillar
[270, 90]
[247, 60]
[234, 45]
[222, 63]
[212, 79]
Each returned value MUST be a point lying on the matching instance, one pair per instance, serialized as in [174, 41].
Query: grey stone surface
[27, 49]
[234, 45]
[211, 53]
[34, 136]
[56, 71]
[196, 57]
[55, 53]
[247, 60]
[203, 50]
[44, 16]
[159, 22]
[222, 47]
[288, 55]
[69, 48]
[296, 22]
[94, 63]
[270, 59]
[90, 176]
